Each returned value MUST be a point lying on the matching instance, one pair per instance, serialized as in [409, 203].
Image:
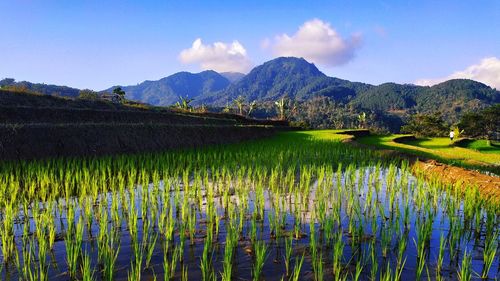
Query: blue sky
[97, 44]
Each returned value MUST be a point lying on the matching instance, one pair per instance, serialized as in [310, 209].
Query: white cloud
[218, 56]
[318, 42]
[487, 71]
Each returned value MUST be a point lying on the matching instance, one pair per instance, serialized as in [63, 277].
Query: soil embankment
[40, 126]
[43, 141]
[489, 185]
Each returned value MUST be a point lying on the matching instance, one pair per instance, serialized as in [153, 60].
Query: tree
[426, 125]
[281, 105]
[362, 120]
[7, 82]
[240, 103]
[483, 124]
[118, 91]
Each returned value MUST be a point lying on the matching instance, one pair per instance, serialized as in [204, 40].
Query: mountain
[285, 76]
[46, 89]
[167, 91]
[233, 77]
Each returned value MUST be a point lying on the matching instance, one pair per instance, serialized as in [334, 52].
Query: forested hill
[450, 98]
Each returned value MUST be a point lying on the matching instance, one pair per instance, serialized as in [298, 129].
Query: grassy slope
[439, 149]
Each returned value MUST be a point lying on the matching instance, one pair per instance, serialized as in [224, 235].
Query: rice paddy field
[475, 155]
[298, 206]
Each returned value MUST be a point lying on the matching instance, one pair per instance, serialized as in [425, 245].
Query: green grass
[440, 149]
[483, 146]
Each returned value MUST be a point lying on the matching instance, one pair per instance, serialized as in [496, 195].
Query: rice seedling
[421, 257]
[402, 245]
[150, 247]
[206, 264]
[399, 271]
[73, 242]
[110, 255]
[86, 268]
[359, 269]
[296, 269]
[231, 243]
[338, 250]
[374, 262]
[7, 233]
[253, 229]
[440, 258]
[170, 265]
[288, 254]
[386, 275]
[465, 272]
[489, 252]
[260, 250]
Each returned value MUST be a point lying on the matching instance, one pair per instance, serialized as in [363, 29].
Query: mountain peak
[291, 65]
[273, 79]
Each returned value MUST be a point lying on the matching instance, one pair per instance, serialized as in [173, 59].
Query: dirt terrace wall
[42, 141]
[23, 115]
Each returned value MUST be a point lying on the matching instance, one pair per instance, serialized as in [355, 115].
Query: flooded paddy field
[299, 206]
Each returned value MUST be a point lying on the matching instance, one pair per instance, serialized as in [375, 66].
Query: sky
[97, 44]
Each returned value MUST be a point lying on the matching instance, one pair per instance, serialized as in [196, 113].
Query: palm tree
[362, 120]
[183, 103]
[251, 107]
[240, 103]
[281, 105]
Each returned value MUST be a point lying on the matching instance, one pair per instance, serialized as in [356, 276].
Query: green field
[477, 155]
